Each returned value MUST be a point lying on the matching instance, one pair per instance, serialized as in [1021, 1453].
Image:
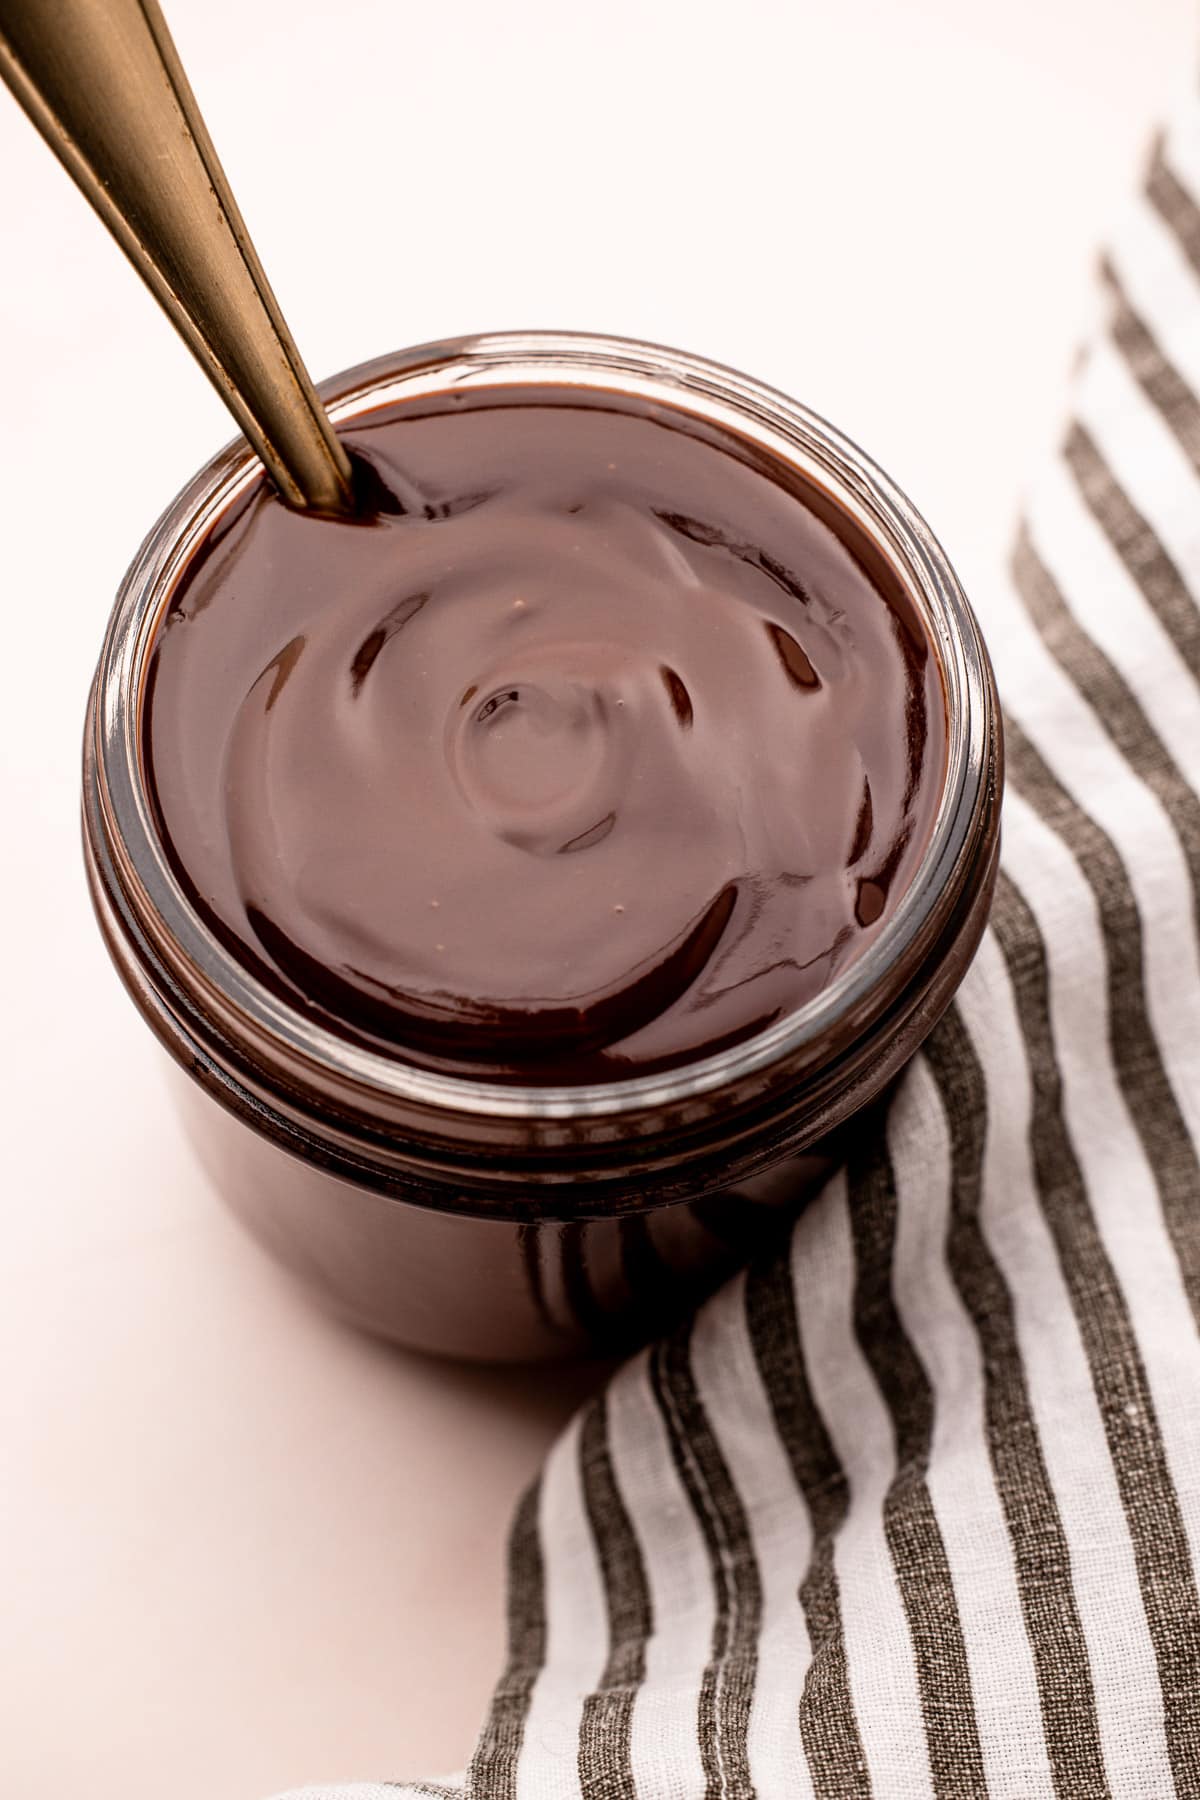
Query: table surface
[243, 1549]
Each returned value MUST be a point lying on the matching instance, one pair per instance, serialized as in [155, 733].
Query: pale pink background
[242, 1549]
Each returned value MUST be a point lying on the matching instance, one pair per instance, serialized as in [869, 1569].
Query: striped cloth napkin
[913, 1510]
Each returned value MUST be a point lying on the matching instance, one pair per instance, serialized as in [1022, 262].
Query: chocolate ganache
[597, 744]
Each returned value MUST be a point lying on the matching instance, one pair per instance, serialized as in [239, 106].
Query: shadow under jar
[574, 1197]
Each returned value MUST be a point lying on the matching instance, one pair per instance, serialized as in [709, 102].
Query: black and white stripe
[913, 1507]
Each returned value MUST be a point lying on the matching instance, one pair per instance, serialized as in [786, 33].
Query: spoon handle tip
[103, 83]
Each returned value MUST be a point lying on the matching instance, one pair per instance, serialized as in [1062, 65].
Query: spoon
[103, 83]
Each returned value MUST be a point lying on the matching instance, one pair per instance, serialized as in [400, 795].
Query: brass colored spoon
[103, 83]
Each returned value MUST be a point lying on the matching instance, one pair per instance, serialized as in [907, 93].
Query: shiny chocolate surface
[597, 744]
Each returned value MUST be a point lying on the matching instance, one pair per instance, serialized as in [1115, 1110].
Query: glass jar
[498, 1221]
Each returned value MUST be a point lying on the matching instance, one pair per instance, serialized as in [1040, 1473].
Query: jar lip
[784, 427]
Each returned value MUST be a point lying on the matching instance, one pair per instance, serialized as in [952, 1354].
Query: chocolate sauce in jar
[603, 746]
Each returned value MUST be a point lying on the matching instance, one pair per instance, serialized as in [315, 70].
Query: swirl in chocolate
[605, 744]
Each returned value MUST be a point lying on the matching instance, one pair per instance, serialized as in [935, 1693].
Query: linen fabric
[912, 1510]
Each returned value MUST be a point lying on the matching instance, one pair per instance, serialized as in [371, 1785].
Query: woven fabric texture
[913, 1509]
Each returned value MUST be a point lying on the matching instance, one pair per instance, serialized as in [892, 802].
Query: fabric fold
[912, 1510]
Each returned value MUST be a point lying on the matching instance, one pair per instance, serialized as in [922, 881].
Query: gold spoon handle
[103, 83]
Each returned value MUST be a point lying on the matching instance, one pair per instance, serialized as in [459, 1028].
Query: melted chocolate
[604, 745]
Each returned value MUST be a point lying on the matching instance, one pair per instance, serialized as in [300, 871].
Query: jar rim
[787, 430]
